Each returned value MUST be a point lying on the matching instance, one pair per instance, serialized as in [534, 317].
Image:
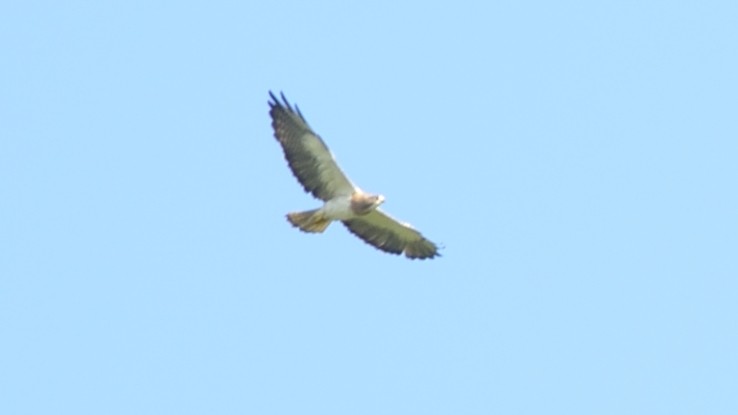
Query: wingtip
[284, 103]
[427, 252]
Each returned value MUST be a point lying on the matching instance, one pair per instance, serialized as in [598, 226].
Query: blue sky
[577, 160]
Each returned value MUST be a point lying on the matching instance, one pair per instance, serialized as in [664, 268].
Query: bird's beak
[380, 199]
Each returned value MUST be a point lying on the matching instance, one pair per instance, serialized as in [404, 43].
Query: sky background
[578, 161]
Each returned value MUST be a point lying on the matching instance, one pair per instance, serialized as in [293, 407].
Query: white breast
[338, 208]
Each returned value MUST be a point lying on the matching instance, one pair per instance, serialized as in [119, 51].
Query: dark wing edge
[307, 155]
[275, 102]
[387, 234]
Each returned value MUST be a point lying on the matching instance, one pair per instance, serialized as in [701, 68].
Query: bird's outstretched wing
[383, 232]
[307, 155]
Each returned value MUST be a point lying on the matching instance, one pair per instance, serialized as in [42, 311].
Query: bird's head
[378, 200]
[363, 203]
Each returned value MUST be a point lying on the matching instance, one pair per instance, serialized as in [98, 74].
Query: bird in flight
[317, 171]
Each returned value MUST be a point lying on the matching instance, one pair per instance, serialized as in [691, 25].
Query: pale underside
[317, 171]
[338, 208]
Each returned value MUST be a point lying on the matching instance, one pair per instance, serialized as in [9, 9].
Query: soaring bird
[316, 169]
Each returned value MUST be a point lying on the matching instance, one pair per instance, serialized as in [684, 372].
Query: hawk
[317, 171]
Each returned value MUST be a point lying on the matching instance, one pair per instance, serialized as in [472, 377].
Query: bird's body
[338, 208]
[348, 207]
[316, 169]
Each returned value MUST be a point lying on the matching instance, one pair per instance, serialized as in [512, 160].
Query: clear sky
[578, 161]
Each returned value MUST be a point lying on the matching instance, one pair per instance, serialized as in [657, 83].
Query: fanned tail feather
[311, 221]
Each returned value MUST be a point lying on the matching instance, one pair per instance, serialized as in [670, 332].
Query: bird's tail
[311, 221]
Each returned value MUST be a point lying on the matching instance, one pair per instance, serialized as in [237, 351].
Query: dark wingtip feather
[300, 113]
[274, 102]
[285, 104]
